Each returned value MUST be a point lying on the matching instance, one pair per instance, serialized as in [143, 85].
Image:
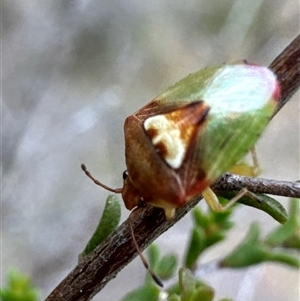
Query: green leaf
[174, 289]
[167, 266]
[200, 218]
[148, 292]
[253, 251]
[284, 258]
[18, 288]
[196, 247]
[193, 289]
[292, 242]
[153, 255]
[262, 202]
[187, 283]
[108, 223]
[203, 293]
[174, 297]
[209, 229]
[288, 234]
[164, 266]
[248, 252]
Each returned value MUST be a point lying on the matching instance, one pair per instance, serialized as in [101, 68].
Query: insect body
[184, 139]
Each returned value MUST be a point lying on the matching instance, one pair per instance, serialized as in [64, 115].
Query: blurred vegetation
[18, 288]
[209, 229]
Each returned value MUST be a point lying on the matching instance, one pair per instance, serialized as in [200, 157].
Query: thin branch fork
[103, 264]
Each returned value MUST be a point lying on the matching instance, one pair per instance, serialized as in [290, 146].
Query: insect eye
[125, 174]
[142, 203]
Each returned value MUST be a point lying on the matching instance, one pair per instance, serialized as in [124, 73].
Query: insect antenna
[144, 260]
[117, 190]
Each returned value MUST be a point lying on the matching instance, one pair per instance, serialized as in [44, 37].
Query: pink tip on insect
[277, 92]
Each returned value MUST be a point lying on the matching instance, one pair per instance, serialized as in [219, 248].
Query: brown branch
[234, 182]
[102, 265]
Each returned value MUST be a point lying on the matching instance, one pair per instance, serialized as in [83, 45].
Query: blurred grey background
[72, 71]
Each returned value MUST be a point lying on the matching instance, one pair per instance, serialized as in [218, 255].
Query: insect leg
[213, 202]
[244, 169]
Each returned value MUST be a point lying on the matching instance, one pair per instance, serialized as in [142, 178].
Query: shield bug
[184, 139]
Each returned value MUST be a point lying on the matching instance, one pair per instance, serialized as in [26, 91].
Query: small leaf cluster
[163, 266]
[209, 229]
[253, 250]
[18, 288]
[190, 288]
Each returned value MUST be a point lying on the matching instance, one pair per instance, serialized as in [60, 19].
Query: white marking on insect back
[240, 89]
[167, 134]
